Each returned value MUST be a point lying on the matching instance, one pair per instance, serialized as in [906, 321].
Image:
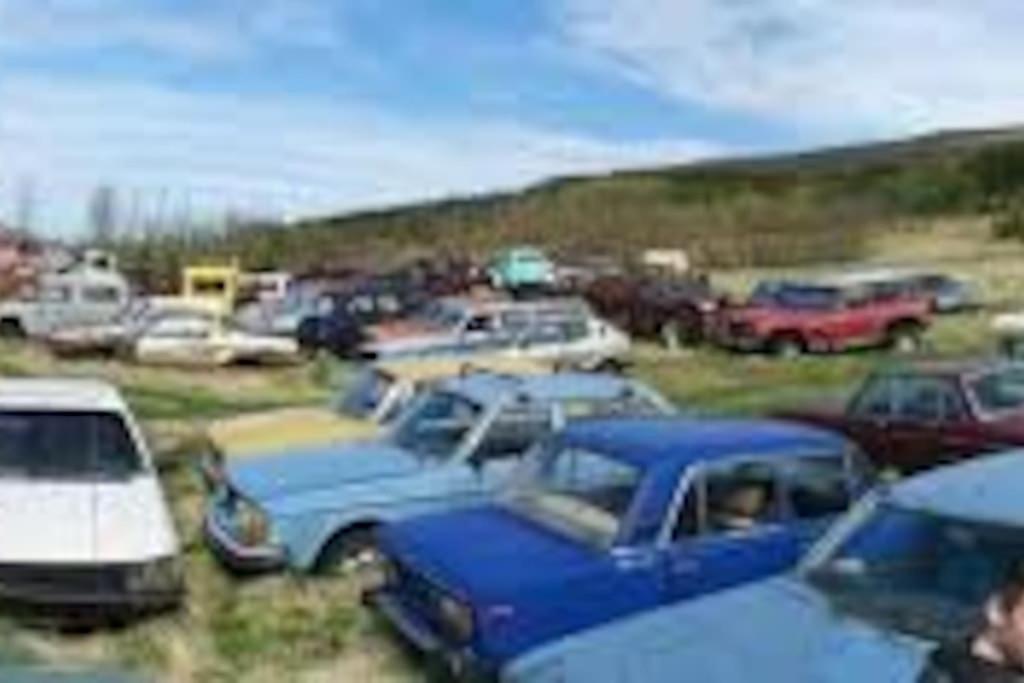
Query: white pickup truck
[80, 296]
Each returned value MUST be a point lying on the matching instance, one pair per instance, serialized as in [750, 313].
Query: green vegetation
[792, 210]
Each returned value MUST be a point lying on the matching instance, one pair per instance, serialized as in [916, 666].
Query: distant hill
[787, 209]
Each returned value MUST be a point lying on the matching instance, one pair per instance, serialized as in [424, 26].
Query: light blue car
[908, 569]
[316, 509]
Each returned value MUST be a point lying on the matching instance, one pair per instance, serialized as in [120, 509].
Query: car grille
[54, 581]
[419, 593]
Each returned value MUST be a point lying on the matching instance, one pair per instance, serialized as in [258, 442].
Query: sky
[292, 108]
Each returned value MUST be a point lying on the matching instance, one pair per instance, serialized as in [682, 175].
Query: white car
[209, 339]
[1009, 331]
[84, 524]
[565, 331]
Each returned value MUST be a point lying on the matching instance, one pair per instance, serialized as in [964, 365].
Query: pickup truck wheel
[787, 346]
[11, 329]
[905, 338]
[351, 553]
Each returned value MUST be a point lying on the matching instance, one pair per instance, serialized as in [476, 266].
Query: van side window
[55, 294]
[101, 295]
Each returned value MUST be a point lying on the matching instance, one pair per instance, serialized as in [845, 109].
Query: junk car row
[520, 510]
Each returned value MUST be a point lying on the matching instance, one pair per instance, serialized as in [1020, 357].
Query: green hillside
[783, 210]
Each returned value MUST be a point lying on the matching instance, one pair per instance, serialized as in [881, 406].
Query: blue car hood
[780, 629]
[506, 553]
[266, 478]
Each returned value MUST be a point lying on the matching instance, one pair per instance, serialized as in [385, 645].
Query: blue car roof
[646, 441]
[487, 387]
[986, 489]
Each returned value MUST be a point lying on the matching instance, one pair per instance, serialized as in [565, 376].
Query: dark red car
[791, 318]
[674, 311]
[926, 414]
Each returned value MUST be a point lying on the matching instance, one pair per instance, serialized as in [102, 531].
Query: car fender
[304, 533]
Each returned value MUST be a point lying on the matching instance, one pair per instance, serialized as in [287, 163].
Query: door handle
[685, 566]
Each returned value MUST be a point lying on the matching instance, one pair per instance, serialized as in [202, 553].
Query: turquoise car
[906, 570]
[522, 269]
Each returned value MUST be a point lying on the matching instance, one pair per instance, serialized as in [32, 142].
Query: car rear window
[66, 446]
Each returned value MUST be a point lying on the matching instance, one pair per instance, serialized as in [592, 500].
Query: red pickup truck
[791, 318]
[924, 414]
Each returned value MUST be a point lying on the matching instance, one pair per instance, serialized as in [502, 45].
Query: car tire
[352, 552]
[904, 338]
[787, 347]
[11, 329]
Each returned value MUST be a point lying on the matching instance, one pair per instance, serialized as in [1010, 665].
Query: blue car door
[731, 529]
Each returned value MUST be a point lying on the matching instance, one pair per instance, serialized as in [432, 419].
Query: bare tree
[25, 206]
[103, 215]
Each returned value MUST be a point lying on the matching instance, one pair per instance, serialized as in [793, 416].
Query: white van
[83, 520]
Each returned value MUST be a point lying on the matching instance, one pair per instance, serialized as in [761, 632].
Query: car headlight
[161, 575]
[251, 523]
[457, 618]
[213, 469]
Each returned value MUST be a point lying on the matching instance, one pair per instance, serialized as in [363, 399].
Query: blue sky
[295, 107]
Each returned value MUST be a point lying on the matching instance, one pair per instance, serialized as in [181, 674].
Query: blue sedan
[613, 516]
[316, 509]
[908, 569]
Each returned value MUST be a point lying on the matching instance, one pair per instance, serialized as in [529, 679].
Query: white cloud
[833, 66]
[169, 150]
[200, 32]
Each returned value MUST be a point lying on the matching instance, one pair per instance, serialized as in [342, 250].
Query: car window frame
[696, 475]
[943, 416]
[853, 410]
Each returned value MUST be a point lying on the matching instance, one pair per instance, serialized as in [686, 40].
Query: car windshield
[998, 391]
[917, 573]
[66, 446]
[582, 493]
[438, 425]
[807, 297]
[365, 394]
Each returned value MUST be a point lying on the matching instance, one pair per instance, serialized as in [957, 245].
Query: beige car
[374, 397]
[199, 338]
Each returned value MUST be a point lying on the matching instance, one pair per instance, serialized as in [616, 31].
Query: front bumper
[461, 663]
[83, 593]
[235, 556]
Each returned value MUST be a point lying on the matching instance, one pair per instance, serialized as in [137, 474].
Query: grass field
[308, 630]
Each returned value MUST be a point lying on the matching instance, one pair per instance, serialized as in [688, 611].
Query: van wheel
[351, 553]
[905, 337]
[787, 346]
[11, 329]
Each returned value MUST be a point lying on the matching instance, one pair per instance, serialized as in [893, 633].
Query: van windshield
[66, 446]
